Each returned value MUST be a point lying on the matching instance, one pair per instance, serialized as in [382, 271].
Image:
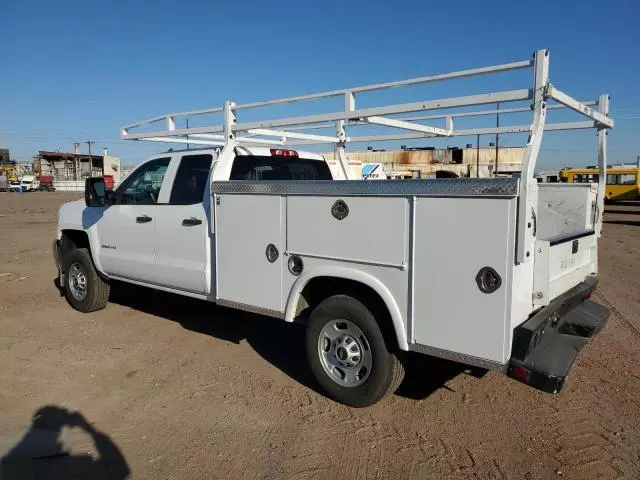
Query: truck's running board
[546, 345]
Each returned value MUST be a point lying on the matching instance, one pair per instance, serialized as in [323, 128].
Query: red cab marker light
[279, 152]
[520, 373]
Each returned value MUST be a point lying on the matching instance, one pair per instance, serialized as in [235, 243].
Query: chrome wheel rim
[345, 353]
[77, 281]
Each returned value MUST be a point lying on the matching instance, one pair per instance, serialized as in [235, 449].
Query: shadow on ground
[623, 212]
[279, 343]
[622, 222]
[621, 203]
[46, 451]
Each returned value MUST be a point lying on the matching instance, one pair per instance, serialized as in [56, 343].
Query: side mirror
[110, 197]
[95, 193]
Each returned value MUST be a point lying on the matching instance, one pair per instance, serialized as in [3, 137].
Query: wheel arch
[71, 238]
[355, 277]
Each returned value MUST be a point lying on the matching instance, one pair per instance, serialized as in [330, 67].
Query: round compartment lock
[339, 210]
[488, 280]
[272, 253]
[295, 265]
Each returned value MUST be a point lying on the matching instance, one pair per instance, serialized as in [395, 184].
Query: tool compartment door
[245, 226]
[455, 239]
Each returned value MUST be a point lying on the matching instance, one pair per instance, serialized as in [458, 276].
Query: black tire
[96, 291]
[387, 371]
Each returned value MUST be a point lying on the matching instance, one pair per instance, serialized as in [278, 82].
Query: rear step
[546, 345]
[586, 320]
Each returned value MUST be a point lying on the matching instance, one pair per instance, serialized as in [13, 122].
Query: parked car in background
[14, 186]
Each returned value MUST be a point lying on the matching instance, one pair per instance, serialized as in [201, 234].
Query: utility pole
[495, 168]
[478, 156]
[76, 160]
[89, 142]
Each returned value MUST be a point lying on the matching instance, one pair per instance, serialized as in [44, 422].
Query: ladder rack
[291, 131]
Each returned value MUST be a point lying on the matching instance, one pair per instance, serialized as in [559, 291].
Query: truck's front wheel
[84, 289]
[348, 354]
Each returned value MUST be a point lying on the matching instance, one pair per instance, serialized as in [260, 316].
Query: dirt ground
[171, 388]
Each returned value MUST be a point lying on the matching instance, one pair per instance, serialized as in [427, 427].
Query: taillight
[520, 373]
[278, 152]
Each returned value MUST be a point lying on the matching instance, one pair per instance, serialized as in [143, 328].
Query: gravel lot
[173, 388]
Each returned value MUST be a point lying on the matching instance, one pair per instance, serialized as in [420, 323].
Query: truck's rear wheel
[84, 289]
[348, 354]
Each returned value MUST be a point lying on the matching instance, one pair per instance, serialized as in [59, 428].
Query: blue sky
[73, 70]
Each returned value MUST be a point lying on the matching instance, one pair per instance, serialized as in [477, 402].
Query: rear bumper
[547, 344]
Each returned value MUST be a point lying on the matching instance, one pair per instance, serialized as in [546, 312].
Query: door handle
[143, 219]
[190, 222]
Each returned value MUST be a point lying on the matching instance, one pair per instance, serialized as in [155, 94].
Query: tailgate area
[561, 263]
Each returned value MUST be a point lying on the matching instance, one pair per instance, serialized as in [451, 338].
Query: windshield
[27, 182]
[253, 167]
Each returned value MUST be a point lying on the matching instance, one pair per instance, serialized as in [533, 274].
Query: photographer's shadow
[42, 453]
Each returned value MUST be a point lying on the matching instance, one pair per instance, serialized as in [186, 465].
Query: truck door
[182, 227]
[250, 250]
[126, 228]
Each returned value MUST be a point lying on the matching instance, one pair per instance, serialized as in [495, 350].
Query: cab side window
[191, 180]
[142, 187]
[254, 167]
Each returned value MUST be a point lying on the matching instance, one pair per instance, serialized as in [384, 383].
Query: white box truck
[29, 183]
[490, 272]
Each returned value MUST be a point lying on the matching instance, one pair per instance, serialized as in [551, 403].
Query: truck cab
[166, 201]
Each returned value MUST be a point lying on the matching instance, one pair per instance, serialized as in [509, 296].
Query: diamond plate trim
[458, 357]
[445, 187]
[250, 308]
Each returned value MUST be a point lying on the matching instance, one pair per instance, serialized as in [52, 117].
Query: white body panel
[311, 231]
[389, 283]
[126, 246]
[245, 225]
[455, 238]
[561, 266]
[182, 251]
[75, 216]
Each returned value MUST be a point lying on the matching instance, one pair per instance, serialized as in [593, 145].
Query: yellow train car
[622, 183]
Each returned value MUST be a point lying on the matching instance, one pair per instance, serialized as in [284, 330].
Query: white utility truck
[493, 272]
[29, 183]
